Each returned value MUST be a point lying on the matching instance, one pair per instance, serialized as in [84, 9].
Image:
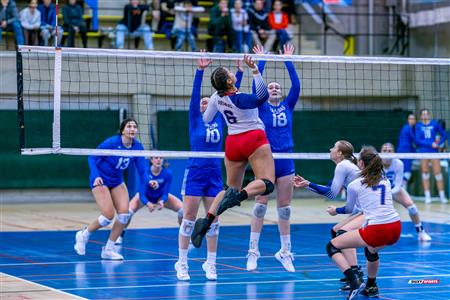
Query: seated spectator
[279, 22]
[242, 36]
[9, 20]
[134, 24]
[74, 23]
[30, 19]
[182, 28]
[156, 14]
[219, 26]
[48, 22]
[259, 24]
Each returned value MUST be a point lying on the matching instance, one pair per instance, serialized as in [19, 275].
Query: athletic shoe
[229, 200]
[355, 292]
[285, 258]
[119, 241]
[182, 271]
[252, 260]
[198, 233]
[111, 254]
[444, 200]
[423, 236]
[359, 274]
[427, 200]
[370, 291]
[80, 243]
[210, 270]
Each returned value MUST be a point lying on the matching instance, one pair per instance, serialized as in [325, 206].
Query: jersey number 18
[279, 120]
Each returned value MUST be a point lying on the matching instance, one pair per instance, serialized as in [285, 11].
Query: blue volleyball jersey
[428, 134]
[278, 119]
[406, 139]
[203, 136]
[164, 179]
[111, 168]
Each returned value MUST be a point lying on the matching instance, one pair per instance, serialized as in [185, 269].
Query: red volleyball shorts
[239, 147]
[381, 234]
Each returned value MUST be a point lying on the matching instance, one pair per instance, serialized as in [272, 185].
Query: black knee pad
[269, 187]
[225, 187]
[333, 233]
[332, 250]
[340, 231]
[370, 256]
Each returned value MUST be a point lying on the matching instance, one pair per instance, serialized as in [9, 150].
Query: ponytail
[373, 170]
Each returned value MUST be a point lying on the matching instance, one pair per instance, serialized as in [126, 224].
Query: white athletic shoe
[252, 260]
[210, 270]
[119, 241]
[80, 243]
[111, 254]
[423, 236]
[427, 200]
[444, 200]
[286, 258]
[182, 271]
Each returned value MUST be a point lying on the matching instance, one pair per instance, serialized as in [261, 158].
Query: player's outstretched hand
[332, 210]
[203, 62]
[239, 65]
[249, 62]
[204, 104]
[300, 182]
[288, 49]
[258, 49]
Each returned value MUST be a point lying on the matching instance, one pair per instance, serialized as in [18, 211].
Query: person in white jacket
[30, 18]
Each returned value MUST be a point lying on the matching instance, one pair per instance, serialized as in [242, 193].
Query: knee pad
[123, 218]
[180, 213]
[370, 256]
[412, 210]
[333, 233]
[332, 250]
[425, 176]
[213, 230]
[259, 210]
[284, 213]
[407, 176]
[269, 187]
[186, 228]
[340, 231]
[104, 221]
[438, 177]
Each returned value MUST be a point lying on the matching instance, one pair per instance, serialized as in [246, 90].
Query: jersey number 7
[383, 191]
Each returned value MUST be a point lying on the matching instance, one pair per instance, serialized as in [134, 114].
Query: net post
[20, 112]
[56, 144]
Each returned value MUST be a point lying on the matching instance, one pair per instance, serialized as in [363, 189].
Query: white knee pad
[186, 228]
[284, 213]
[259, 210]
[104, 221]
[438, 177]
[412, 210]
[214, 230]
[123, 218]
[180, 213]
[425, 176]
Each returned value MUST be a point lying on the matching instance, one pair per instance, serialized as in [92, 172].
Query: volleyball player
[246, 143]
[345, 172]
[276, 114]
[406, 144]
[202, 178]
[393, 169]
[109, 189]
[430, 137]
[382, 227]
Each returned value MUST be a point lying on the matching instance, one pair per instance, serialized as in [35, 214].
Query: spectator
[134, 24]
[48, 22]
[156, 14]
[242, 37]
[9, 20]
[30, 18]
[259, 24]
[279, 22]
[74, 23]
[219, 26]
[182, 27]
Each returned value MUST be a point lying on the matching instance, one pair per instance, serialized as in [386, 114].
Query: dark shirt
[132, 16]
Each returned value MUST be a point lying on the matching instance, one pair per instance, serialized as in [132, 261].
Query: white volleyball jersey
[375, 202]
[395, 175]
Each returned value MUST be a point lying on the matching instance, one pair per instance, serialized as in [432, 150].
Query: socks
[211, 257]
[182, 255]
[419, 227]
[210, 218]
[254, 240]
[371, 281]
[110, 244]
[350, 274]
[86, 233]
[285, 243]
[442, 195]
[427, 194]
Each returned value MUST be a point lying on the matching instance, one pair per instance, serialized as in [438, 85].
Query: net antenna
[65, 66]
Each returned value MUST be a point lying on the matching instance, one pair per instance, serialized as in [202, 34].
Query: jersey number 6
[230, 117]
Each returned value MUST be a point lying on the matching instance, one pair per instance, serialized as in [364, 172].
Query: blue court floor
[48, 258]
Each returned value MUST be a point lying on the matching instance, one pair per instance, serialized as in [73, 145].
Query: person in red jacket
[279, 22]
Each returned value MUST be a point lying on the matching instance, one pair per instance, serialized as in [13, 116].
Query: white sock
[427, 194]
[442, 195]
[254, 240]
[211, 257]
[86, 234]
[110, 244]
[182, 255]
[285, 243]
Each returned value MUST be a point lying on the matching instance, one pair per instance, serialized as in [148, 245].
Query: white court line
[44, 286]
[249, 282]
[204, 258]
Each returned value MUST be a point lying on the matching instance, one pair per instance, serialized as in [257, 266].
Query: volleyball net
[70, 100]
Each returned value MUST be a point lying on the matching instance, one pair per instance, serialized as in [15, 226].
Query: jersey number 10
[212, 136]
